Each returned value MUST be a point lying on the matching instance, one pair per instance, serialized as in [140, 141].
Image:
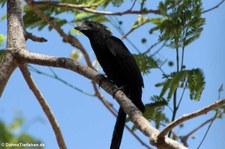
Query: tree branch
[34, 38]
[44, 105]
[56, 77]
[15, 39]
[87, 9]
[136, 116]
[184, 138]
[132, 29]
[109, 106]
[97, 94]
[186, 117]
[217, 6]
[7, 66]
[63, 5]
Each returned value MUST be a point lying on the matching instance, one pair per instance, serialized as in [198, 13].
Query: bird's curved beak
[81, 26]
[78, 26]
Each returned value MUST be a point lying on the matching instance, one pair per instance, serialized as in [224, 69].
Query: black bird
[120, 67]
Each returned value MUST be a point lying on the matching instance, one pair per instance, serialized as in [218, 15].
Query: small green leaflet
[194, 79]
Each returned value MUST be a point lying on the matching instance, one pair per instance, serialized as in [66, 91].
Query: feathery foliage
[193, 78]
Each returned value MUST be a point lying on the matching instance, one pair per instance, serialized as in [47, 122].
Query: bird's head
[90, 28]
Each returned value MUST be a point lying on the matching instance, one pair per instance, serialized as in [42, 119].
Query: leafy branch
[193, 78]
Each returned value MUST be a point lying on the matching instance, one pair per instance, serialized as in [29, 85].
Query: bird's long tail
[118, 130]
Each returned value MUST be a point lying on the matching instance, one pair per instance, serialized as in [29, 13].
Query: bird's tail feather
[118, 129]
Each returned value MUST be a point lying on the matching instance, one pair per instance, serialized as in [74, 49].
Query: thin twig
[182, 95]
[158, 50]
[133, 5]
[122, 12]
[151, 47]
[184, 138]
[44, 105]
[210, 9]
[64, 5]
[118, 28]
[207, 131]
[186, 117]
[54, 76]
[86, 9]
[34, 38]
[131, 30]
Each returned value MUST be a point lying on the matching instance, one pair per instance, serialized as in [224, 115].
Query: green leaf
[2, 39]
[75, 55]
[85, 16]
[81, 15]
[154, 111]
[156, 21]
[2, 2]
[177, 79]
[166, 86]
[32, 20]
[145, 63]
[4, 16]
[140, 20]
[16, 124]
[195, 83]
[182, 23]
[8, 135]
[162, 8]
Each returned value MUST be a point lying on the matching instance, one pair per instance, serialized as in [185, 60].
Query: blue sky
[84, 121]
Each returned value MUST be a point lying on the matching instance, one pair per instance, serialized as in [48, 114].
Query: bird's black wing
[130, 73]
[125, 59]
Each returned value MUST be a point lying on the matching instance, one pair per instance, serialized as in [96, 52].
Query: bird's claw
[101, 77]
[121, 88]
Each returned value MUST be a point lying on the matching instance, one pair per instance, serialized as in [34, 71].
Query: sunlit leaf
[195, 83]
[145, 63]
[4, 16]
[182, 24]
[2, 39]
[76, 55]
[16, 124]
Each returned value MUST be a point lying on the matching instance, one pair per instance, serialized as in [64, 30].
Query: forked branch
[44, 105]
[186, 117]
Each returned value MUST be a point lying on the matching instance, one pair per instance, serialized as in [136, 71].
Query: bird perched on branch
[120, 67]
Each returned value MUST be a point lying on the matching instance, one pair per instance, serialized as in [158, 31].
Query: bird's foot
[121, 88]
[101, 78]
